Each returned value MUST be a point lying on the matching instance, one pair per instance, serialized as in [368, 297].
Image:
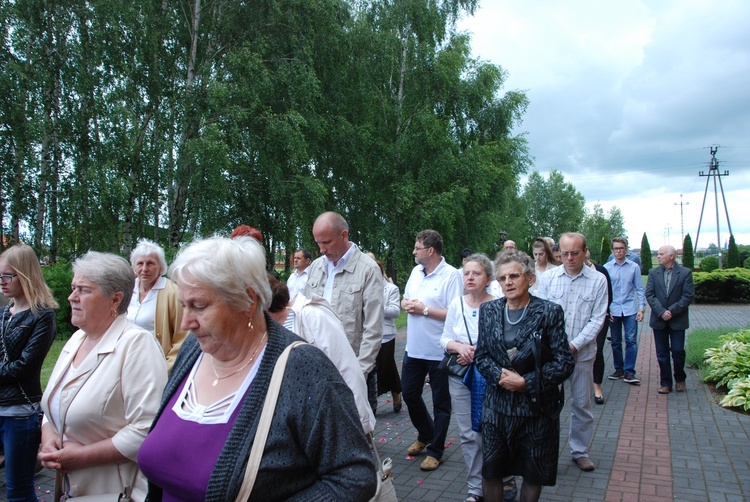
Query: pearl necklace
[216, 381]
[520, 318]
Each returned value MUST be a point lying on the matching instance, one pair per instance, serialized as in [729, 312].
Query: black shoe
[599, 399]
[631, 379]
[616, 375]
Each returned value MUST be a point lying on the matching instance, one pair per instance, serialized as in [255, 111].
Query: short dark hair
[431, 239]
[279, 294]
[305, 252]
[621, 240]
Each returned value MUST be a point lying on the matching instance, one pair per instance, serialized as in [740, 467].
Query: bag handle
[264, 424]
[465, 324]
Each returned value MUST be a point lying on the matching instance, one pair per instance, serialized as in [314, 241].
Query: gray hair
[111, 273]
[485, 263]
[526, 262]
[146, 247]
[228, 266]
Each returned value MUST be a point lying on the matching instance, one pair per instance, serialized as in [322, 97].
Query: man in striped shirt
[582, 293]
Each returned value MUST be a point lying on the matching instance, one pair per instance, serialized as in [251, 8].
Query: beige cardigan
[117, 401]
[167, 322]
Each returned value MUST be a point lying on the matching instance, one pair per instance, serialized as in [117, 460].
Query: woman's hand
[70, 457]
[465, 354]
[512, 381]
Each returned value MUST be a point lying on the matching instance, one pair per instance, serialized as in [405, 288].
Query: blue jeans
[20, 437]
[668, 340]
[631, 343]
[413, 373]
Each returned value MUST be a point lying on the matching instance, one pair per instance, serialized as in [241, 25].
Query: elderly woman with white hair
[200, 442]
[154, 305]
[105, 388]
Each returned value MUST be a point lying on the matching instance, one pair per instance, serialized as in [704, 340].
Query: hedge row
[722, 286]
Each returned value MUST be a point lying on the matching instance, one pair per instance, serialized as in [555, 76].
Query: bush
[58, 277]
[722, 286]
[709, 264]
[733, 254]
[729, 366]
[746, 263]
[646, 258]
[688, 256]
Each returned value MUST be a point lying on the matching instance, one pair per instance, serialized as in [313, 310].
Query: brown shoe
[584, 463]
[430, 463]
[416, 448]
[664, 390]
[679, 386]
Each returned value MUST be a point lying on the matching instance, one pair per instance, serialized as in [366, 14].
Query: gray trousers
[581, 416]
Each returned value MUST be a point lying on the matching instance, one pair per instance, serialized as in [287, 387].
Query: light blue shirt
[627, 286]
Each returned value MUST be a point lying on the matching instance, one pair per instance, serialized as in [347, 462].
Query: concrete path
[646, 446]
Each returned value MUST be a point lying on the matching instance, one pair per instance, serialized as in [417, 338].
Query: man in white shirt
[352, 283]
[582, 293]
[298, 278]
[431, 287]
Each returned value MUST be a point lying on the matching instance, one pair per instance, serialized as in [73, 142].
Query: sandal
[509, 489]
[474, 498]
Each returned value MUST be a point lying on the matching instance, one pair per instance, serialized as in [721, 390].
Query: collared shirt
[296, 282]
[583, 298]
[144, 313]
[335, 269]
[667, 276]
[626, 286]
[436, 290]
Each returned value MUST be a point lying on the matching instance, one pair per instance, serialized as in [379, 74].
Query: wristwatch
[426, 311]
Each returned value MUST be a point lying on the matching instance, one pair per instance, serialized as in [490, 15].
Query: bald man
[352, 283]
[669, 291]
[510, 246]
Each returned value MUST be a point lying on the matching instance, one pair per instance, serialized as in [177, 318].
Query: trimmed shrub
[646, 258]
[733, 254]
[722, 286]
[58, 277]
[709, 264]
[688, 255]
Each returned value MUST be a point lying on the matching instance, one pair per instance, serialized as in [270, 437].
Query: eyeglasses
[619, 249]
[421, 249]
[512, 277]
[574, 253]
[7, 278]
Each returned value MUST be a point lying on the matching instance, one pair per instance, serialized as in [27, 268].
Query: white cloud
[626, 98]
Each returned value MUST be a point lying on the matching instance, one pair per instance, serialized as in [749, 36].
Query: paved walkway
[646, 446]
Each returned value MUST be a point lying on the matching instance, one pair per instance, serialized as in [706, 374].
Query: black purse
[551, 401]
[450, 359]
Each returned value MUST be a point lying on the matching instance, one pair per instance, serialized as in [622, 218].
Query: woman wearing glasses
[523, 354]
[27, 330]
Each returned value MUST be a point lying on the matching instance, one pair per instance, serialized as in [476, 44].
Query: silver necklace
[520, 318]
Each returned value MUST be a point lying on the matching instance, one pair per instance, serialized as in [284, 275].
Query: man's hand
[639, 316]
[667, 315]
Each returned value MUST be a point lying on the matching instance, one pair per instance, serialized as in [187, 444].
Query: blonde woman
[27, 330]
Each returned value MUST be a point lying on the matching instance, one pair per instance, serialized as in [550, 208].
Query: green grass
[401, 320]
[50, 360]
[700, 340]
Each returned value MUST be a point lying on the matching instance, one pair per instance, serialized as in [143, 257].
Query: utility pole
[682, 220]
[713, 173]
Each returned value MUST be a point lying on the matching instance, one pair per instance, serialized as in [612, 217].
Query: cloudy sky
[626, 99]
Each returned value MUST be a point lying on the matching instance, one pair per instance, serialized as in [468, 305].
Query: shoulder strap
[465, 324]
[264, 425]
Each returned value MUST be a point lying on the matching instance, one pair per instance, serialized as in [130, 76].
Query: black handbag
[551, 401]
[450, 359]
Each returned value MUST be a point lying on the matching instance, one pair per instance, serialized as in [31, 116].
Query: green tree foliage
[733, 254]
[597, 227]
[646, 258]
[171, 120]
[688, 255]
[552, 206]
[604, 249]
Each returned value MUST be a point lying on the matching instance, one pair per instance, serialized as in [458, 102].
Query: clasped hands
[66, 459]
[413, 306]
[512, 381]
[465, 354]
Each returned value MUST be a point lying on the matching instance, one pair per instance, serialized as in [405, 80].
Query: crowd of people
[196, 349]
